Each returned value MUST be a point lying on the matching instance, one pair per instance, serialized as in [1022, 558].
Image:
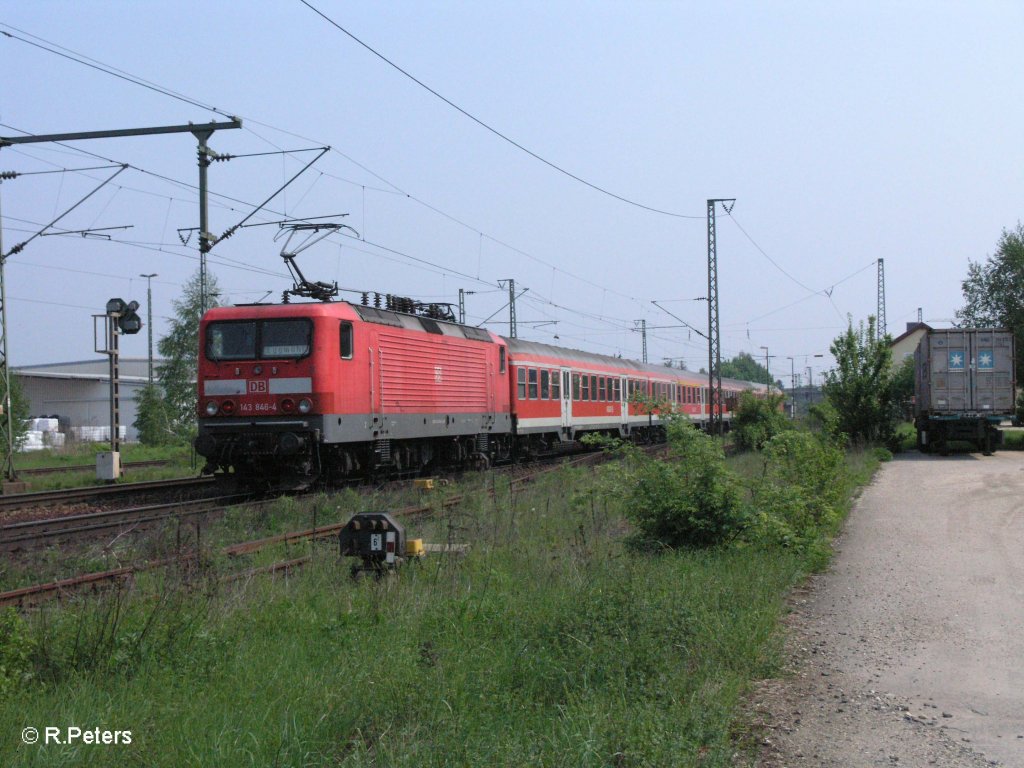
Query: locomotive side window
[533, 383]
[521, 383]
[575, 386]
[285, 338]
[545, 385]
[501, 359]
[346, 340]
[231, 341]
[556, 389]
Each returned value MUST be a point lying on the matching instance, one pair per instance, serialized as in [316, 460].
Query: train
[296, 393]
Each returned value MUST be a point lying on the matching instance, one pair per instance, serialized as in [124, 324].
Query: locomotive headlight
[211, 408]
[305, 405]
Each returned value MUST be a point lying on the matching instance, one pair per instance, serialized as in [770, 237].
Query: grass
[548, 644]
[84, 455]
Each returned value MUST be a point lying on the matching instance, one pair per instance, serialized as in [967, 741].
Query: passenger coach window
[533, 383]
[618, 390]
[593, 387]
[346, 341]
[602, 392]
[556, 387]
[545, 385]
[586, 388]
[521, 380]
[575, 386]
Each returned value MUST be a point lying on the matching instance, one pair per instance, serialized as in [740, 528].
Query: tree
[154, 418]
[20, 412]
[903, 387]
[994, 290]
[180, 350]
[745, 368]
[758, 419]
[861, 387]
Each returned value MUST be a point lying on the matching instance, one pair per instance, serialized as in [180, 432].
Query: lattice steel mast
[714, 336]
[881, 299]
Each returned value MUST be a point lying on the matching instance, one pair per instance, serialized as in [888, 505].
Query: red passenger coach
[560, 394]
[335, 389]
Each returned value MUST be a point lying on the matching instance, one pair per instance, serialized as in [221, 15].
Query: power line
[765, 254]
[495, 131]
[92, 63]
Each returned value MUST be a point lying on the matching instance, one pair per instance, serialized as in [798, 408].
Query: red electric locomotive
[292, 393]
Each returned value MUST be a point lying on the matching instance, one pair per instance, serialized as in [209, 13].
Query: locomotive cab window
[285, 338]
[346, 340]
[231, 341]
[258, 340]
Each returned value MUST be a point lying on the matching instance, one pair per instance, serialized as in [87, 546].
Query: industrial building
[78, 394]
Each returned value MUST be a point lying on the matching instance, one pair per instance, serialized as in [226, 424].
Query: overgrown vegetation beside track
[554, 641]
[74, 458]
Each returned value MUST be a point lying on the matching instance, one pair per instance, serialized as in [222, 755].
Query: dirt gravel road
[909, 651]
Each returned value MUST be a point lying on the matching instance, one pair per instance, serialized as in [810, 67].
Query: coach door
[624, 400]
[566, 399]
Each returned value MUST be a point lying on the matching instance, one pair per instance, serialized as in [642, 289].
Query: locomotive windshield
[256, 340]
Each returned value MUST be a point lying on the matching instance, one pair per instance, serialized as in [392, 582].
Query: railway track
[92, 467]
[99, 492]
[84, 524]
[29, 533]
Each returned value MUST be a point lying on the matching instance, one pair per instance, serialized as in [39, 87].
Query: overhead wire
[488, 127]
[66, 53]
[121, 74]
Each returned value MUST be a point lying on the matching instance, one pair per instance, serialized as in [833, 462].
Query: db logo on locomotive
[257, 387]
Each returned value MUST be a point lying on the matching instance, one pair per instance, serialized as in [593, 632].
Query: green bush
[801, 489]
[692, 500]
[758, 420]
[15, 653]
[824, 421]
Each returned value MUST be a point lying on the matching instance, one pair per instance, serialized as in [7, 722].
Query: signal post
[120, 318]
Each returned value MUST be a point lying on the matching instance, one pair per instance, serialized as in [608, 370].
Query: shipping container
[963, 387]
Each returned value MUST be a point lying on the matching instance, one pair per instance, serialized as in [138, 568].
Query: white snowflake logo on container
[956, 360]
[986, 360]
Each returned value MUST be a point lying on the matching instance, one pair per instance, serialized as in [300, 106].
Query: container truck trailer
[963, 387]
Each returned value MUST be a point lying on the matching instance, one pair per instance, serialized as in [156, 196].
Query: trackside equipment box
[963, 386]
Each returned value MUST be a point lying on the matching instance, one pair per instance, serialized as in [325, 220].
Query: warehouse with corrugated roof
[77, 394]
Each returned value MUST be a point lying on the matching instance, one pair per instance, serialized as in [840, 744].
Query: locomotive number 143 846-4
[257, 408]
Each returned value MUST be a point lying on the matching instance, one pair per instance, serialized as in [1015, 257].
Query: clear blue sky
[846, 131]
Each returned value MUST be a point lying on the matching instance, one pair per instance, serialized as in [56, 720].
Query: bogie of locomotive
[294, 393]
